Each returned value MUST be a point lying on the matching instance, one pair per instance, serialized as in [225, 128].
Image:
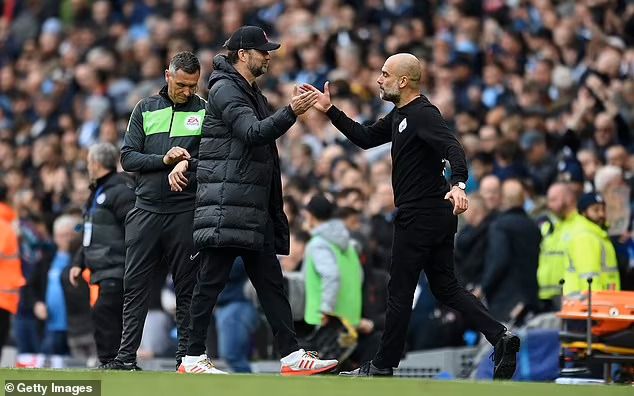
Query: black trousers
[107, 318]
[424, 240]
[5, 326]
[150, 238]
[265, 274]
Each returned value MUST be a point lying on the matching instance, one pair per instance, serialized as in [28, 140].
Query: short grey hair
[105, 154]
[185, 61]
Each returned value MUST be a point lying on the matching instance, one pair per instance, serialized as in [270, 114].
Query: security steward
[162, 140]
[103, 245]
[590, 252]
[556, 235]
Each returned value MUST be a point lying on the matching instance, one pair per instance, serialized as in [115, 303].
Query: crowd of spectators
[537, 90]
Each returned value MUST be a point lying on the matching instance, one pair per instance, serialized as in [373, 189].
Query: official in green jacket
[161, 147]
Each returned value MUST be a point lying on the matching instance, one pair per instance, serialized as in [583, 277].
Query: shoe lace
[365, 367]
[207, 363]
[114, 363]
[312, 354]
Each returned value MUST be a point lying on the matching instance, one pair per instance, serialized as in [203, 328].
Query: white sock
[193, 359]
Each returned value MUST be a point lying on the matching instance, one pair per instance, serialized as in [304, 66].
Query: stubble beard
[393, 97]
[258, 70]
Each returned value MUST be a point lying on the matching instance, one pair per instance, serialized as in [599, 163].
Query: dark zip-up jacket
[510, 272]
[157, 125]
[103, 250]
[239, 180]
[421, 143]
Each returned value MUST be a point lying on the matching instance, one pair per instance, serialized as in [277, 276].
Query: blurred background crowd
[538, 91]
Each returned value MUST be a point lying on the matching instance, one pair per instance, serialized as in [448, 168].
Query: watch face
[461, 185]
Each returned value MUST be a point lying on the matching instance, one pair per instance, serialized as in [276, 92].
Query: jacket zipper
[169, 133]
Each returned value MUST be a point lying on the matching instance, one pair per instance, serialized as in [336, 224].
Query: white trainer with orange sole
[302, 362]
[198, 365]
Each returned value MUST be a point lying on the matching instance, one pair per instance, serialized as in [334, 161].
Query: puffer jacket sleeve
[237, 113]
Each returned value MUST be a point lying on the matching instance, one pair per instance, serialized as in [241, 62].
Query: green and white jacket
[155, 126]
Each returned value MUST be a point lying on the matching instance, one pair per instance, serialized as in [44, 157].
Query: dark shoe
[368, 369]
[505, 356]
[116, 364]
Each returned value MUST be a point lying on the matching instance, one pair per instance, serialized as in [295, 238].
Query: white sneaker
[198, 365]
[305, 363]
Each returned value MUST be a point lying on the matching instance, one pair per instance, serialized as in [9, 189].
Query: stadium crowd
[539, 92]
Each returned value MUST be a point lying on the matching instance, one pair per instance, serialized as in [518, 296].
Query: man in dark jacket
[161, 141]
[471, 243]
[103, 245]
[509, 281]
[239, 199]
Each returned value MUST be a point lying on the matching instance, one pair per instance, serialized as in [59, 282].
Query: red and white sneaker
[198, 365]
[305, 363]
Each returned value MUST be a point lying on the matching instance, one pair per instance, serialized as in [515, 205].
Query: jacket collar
[101, 181]
[225, 70]
[163, 93]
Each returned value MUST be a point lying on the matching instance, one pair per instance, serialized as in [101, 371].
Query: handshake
[306, 96]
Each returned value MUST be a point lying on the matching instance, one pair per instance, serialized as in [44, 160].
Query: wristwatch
[460, 185]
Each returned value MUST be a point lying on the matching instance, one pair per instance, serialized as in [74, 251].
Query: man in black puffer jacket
[103, 245]
[239, 199]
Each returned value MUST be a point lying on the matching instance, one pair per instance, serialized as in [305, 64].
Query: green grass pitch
[165, 383]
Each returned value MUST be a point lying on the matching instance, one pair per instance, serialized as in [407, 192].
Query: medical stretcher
[598, 330]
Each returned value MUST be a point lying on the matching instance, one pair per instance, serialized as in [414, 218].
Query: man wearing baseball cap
[590, 253]
[250, 37]
[239, 208]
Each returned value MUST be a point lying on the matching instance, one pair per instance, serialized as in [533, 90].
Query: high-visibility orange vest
[11, 278]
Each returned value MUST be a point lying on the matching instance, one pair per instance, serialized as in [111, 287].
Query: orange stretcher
[608, 334]
[612, 311]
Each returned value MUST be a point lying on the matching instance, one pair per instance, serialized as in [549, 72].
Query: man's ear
[403, 82]
[167, 74]
[245, 55]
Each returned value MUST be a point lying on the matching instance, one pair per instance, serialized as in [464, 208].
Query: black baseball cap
[588, 200]
[250, 37]
[320, 207]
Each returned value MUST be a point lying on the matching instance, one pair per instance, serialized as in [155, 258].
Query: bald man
[509, 280]
[491, 193]
[556, 232]
[426, 222]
